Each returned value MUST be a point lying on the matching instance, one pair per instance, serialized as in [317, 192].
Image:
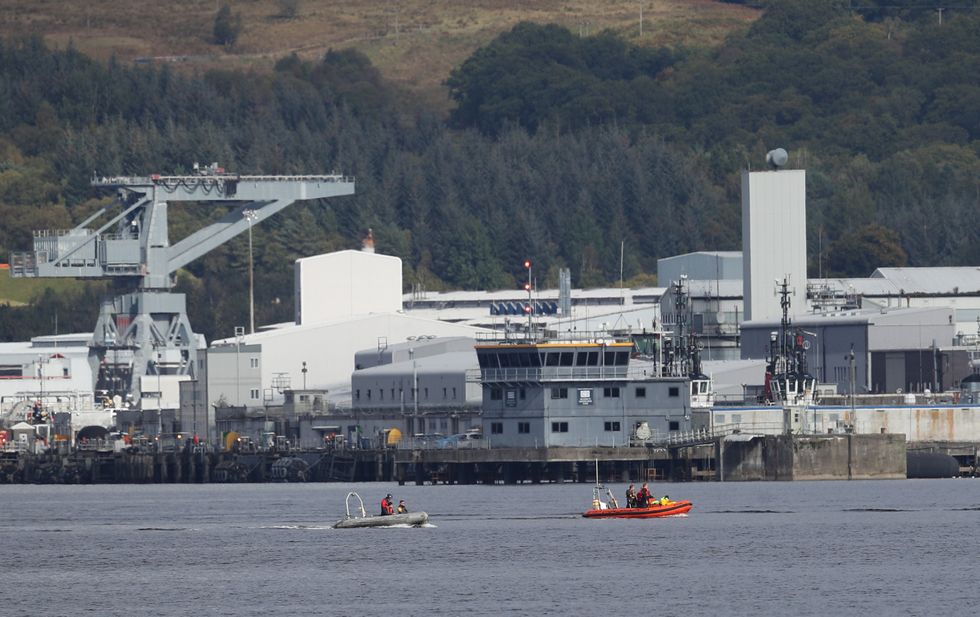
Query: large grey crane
[145, 330]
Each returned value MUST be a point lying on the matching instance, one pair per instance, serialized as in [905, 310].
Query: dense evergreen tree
[562, 149]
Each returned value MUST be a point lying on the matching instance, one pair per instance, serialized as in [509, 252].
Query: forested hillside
[559, 147]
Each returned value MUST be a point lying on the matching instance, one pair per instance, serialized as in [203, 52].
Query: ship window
[551, 359]
[720, 418]
[254, 394]
[559, 393]
[504, 360]
[523, 394]
[675, 425]
[592, 359]
[524, 427]
[581, 358]
[674, 391]
[609, 358]
[496, 394]
[497, 428]
[610, 392]
[567, 357]
[622, 358]
[454, 393]
[535, 358]
[641, 393]
[445, 393]
[381, 394]
[559, 427]
[357, 394]
[736, 418]
[612, 426]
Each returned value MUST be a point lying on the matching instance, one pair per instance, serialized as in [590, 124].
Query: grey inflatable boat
[361, 519]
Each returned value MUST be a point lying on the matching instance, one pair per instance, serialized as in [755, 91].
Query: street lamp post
[250, 216]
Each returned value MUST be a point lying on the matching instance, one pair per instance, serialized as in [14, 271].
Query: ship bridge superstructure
[144, 330]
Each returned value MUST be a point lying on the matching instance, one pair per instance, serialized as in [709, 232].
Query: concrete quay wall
[812, 457]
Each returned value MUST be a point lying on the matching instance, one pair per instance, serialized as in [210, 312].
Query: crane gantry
[144, 330]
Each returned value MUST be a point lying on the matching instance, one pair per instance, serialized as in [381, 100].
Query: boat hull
[673, 508]
[415, 519]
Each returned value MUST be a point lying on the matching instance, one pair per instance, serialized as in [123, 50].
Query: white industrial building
[349, 301]
[773, 239]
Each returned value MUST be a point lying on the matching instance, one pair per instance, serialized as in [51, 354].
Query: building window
[610, 392]
[496, 394]
[254, 394]
[559, 393]
[253, 362]
[524, 428]
[497, 428]
[675, 425]
[641, 393]
[674, 391]
[304, 397]
[559, 427]
[612, 426]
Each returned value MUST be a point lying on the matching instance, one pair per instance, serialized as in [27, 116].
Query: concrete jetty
[730, 458]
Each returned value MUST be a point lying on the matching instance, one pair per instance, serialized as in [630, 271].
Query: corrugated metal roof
[940, 280]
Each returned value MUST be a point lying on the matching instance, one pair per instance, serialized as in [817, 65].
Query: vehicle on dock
[360, 517]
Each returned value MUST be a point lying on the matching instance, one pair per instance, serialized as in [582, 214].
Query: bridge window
[567, 358]
[551, 359]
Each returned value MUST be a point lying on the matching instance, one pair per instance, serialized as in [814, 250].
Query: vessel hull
[671, 509]
[415, 519]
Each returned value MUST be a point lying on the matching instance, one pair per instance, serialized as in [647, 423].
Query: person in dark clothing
[630, 497]
[386, 507]
[402, 508]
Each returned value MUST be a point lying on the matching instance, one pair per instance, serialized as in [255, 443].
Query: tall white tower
[773, 237]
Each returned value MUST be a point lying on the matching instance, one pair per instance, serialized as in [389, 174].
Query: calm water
[820, 548]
